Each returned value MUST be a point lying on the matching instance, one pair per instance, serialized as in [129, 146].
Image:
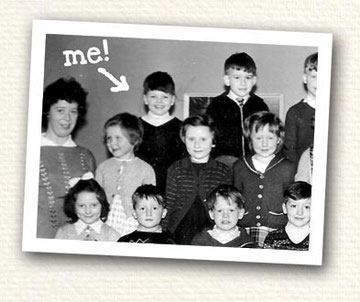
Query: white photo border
[323, 41]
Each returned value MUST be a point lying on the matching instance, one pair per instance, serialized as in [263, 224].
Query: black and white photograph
[177, 142]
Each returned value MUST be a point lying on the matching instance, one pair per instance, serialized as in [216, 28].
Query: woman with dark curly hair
[64, 110]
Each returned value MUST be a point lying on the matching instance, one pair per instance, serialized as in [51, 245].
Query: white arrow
[121, 85]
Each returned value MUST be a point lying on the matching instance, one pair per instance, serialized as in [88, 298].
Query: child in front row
[263, 176]
[149, 209]
[161, 144]
[87, 207]
[296, 234]
[226, 207]
[121, 174]
[191, 179]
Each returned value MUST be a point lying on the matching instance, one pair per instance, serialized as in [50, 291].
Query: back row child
[230, 109]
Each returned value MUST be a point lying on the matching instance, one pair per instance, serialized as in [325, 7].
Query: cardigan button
[260, 196]
[261, 187]
[258, 224]
[258, 207]
[257, 217]
[262, 176]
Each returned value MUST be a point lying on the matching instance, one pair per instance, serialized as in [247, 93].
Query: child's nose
[300, 211]
[148, 212]
[196, 143]
[264, 142]
[67, 116]
[87, 210]
[225, 214]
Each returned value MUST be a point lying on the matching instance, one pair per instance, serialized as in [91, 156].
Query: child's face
[241, 82]
[159, 102]
[226, 214]
[88, 207]
[62, 118]
[310, 80]
[149, 213]
[264, 142]
[298, 211]
[199, 141]
[117, 143]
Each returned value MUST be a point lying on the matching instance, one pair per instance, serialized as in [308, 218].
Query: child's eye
[307, 207]
[155, 208]
[249, 77]
[292, 206]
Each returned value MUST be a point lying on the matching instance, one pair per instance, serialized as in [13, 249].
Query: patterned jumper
[58, 165]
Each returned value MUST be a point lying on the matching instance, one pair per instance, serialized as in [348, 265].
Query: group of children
[167, 182]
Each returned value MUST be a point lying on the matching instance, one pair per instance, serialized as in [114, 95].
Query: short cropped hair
[146, 192]
[260, 119]
[159, 80]
[229, 193]
[311, 62]
[297, 190]
[67, 89]
[89, 185]
[198, 120]
[130, 125]
[240, 61]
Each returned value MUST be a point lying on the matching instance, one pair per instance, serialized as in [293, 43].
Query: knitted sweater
[68, 231]
[183, 186]
[227, 117]
[123, 178]
[205, 239]
[263, 192]
[147, 237]
[57, 166]
[299, 133]
[280, 240]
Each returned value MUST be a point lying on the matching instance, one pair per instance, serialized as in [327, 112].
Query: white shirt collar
[157, 120]
[47, 142]
[233, 96]
[310, 102]
[80, 226]
[297, 234]
[224, 236]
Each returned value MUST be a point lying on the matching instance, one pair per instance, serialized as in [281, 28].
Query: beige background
[43, 277]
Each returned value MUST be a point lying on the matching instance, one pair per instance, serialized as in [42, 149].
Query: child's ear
[241, 213]
[145, 100]
[254, 80]
[211, 214]
[172, 100]
[164, 213]
[304, 78]
[284, 208]
[226, 80]
[134, 214]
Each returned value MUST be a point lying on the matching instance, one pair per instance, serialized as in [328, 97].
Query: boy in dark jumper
[149, 209]
[230, 109]
[299, 130]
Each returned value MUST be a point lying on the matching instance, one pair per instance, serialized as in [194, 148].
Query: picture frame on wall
[99, 55]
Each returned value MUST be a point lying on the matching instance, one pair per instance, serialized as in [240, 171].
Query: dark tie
[240, 101]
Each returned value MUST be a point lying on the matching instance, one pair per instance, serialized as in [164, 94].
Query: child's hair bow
[75, 180]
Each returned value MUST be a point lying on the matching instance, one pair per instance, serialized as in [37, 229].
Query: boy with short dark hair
[226, 208]
[295, 235]
[230, 109]
[299, 130]
[149, 209]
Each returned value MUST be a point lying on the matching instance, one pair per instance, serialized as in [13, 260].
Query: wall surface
[195, 67]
